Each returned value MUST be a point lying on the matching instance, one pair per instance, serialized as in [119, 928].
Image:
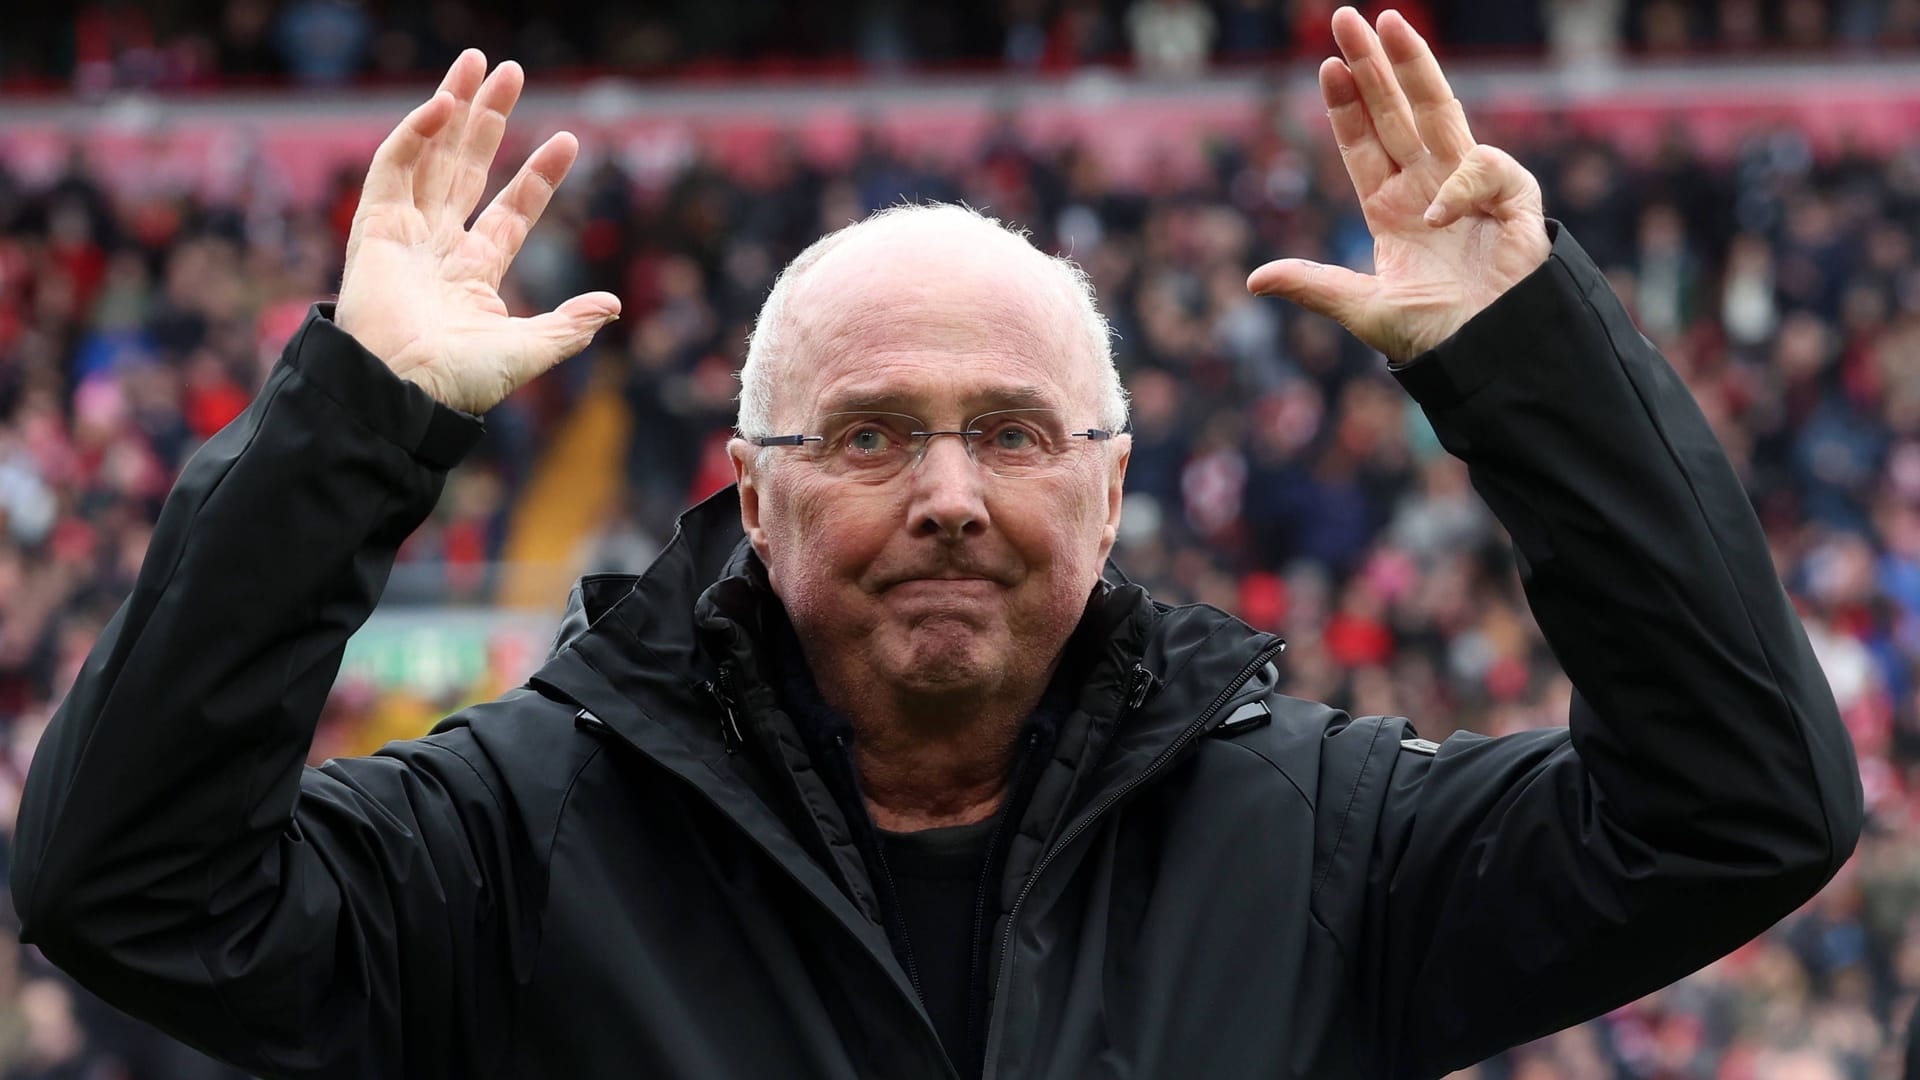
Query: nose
[949, 492]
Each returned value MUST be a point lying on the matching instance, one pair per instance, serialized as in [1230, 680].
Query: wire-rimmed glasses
[878, 446]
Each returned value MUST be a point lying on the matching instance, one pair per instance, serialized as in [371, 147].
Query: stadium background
[177, 176]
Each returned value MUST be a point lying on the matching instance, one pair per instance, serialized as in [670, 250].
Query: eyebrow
[976, 402]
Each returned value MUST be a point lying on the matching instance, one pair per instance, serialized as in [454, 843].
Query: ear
[743, 454]
[1120, 455]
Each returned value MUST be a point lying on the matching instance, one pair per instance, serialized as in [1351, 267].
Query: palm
[1407, 148]
[1430, 277]
[421, 290]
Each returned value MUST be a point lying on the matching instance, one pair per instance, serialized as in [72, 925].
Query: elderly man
[880, 770]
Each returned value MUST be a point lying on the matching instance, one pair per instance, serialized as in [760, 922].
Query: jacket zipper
[984, 885]
[722, 693]
[892, 907]
[585, 718]
[1139, 686]
[1187, 735]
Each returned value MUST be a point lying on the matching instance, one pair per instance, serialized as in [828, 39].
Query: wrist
[390, 404]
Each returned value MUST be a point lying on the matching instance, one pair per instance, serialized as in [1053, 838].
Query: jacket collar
[640, 656]
[649, 645]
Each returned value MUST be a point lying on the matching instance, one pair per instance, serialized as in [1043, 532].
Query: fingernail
[1434, 214]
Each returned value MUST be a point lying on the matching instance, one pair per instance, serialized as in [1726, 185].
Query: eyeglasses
[878, 446]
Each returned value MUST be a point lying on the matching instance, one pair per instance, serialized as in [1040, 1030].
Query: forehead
[922, 400]
[937, 324]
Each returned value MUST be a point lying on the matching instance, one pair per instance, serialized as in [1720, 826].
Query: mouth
[942, 585]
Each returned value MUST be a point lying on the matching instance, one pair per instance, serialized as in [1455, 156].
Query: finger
[390, 176]
[1367, 162]
[1488, 181]
[1322, 288]
[1437, 114]
[486, 126]
[514, 212]
[1379, 90]
[548, 339]
[440, 158]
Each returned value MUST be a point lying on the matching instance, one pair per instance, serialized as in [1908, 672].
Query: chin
[946, 659]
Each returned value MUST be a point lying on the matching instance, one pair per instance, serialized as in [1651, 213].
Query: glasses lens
[873, 447]
[1020, 442]
[866, 445]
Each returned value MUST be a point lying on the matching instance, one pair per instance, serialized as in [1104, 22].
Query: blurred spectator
[1252, 28]
[1579, 33]
[323, 41]
[1170, 37]
[1276, 470]
[245, 48]
[103, 45]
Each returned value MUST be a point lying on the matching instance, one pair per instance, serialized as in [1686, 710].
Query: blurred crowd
[1277, 470]
[101, 45]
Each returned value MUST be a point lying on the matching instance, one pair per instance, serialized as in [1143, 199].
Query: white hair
[768, 350]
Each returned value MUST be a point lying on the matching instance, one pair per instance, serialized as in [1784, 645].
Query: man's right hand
[421, 290]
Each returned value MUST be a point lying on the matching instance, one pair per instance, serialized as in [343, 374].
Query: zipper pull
[729, 724]
[1139, 686]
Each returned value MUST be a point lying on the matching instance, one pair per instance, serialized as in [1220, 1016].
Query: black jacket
[634, 867]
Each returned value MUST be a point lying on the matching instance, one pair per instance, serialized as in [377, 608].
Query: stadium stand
[101, 45]
[1277, 471]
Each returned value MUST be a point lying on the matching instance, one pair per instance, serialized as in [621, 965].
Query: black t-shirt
[936, 879]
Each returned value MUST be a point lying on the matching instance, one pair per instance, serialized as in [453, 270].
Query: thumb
[564, 331]
[1322, 288]
[1488, 179]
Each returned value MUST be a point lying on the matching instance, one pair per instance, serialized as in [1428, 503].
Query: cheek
[818, 543]
[1059, 534]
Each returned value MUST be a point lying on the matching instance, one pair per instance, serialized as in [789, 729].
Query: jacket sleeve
[173, 853]
[1706, 786]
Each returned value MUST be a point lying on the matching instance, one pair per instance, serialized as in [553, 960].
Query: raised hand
[421, 290]
[1454, 223]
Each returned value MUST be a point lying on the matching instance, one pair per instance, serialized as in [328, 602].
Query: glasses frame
[923, 439]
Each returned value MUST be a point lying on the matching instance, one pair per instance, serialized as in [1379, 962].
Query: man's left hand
[1454, 223]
